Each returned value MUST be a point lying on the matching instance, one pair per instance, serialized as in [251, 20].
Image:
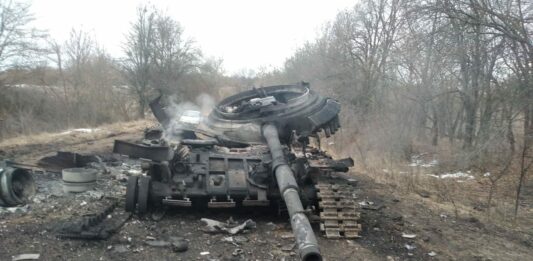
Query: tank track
[339, 212]
[95, 226]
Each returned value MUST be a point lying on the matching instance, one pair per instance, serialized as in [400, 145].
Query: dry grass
[387, 165]
[72, 135]
[460, 199]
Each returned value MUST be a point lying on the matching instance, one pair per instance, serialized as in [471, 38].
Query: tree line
[48, 85]
[436, 74]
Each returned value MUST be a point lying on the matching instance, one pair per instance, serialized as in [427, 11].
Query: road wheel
[6, 191]
[143, 194]
[79, 175]
[131, 193]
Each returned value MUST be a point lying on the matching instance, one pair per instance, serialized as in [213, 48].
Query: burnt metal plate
[155, 153]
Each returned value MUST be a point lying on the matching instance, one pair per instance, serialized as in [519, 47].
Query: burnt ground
[31, 229]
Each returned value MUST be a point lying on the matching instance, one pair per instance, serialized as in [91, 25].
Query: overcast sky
[245, 34]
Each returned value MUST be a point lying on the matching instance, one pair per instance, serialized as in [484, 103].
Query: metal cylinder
[303, 232]
[16, 186]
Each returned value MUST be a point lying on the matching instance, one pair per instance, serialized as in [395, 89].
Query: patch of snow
[486, 174]
[415, 162]
[366, 203]
[81, 130]
[29, 86]
[456, 175]
[430, 164]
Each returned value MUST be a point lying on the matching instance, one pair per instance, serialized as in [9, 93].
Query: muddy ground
[439, 235]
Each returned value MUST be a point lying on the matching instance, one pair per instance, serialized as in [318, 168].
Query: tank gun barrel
[303, 233]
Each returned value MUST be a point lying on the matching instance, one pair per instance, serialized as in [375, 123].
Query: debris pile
[213, 226]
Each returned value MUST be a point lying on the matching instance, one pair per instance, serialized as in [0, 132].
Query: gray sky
[245, 34]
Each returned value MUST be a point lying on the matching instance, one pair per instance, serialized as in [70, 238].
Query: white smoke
[185, 115]
[206, 103]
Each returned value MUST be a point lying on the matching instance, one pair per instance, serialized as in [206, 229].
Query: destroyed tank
[257, 148]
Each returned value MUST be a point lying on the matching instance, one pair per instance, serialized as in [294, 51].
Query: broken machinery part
[17, 186]
[77, 180]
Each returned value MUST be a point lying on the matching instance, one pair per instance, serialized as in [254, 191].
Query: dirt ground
[439, 234]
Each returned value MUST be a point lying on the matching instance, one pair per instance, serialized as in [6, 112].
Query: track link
[100, 225]
[339, 211]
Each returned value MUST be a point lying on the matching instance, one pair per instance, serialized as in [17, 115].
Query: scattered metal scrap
[213, 226]
[370, 205]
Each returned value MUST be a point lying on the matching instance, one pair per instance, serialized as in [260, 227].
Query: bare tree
[158, 55]
[58, 59]
[79, 49]
[511, 20]
[173, 55]
[139, 50]
[365, 36]
[18, 40]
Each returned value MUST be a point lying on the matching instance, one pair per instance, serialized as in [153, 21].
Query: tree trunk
[470, 124]
[435, 129]
[485, 119]
[142, 105]
[491, 194]
[510, 133]
[524, 167]
[525, 159]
